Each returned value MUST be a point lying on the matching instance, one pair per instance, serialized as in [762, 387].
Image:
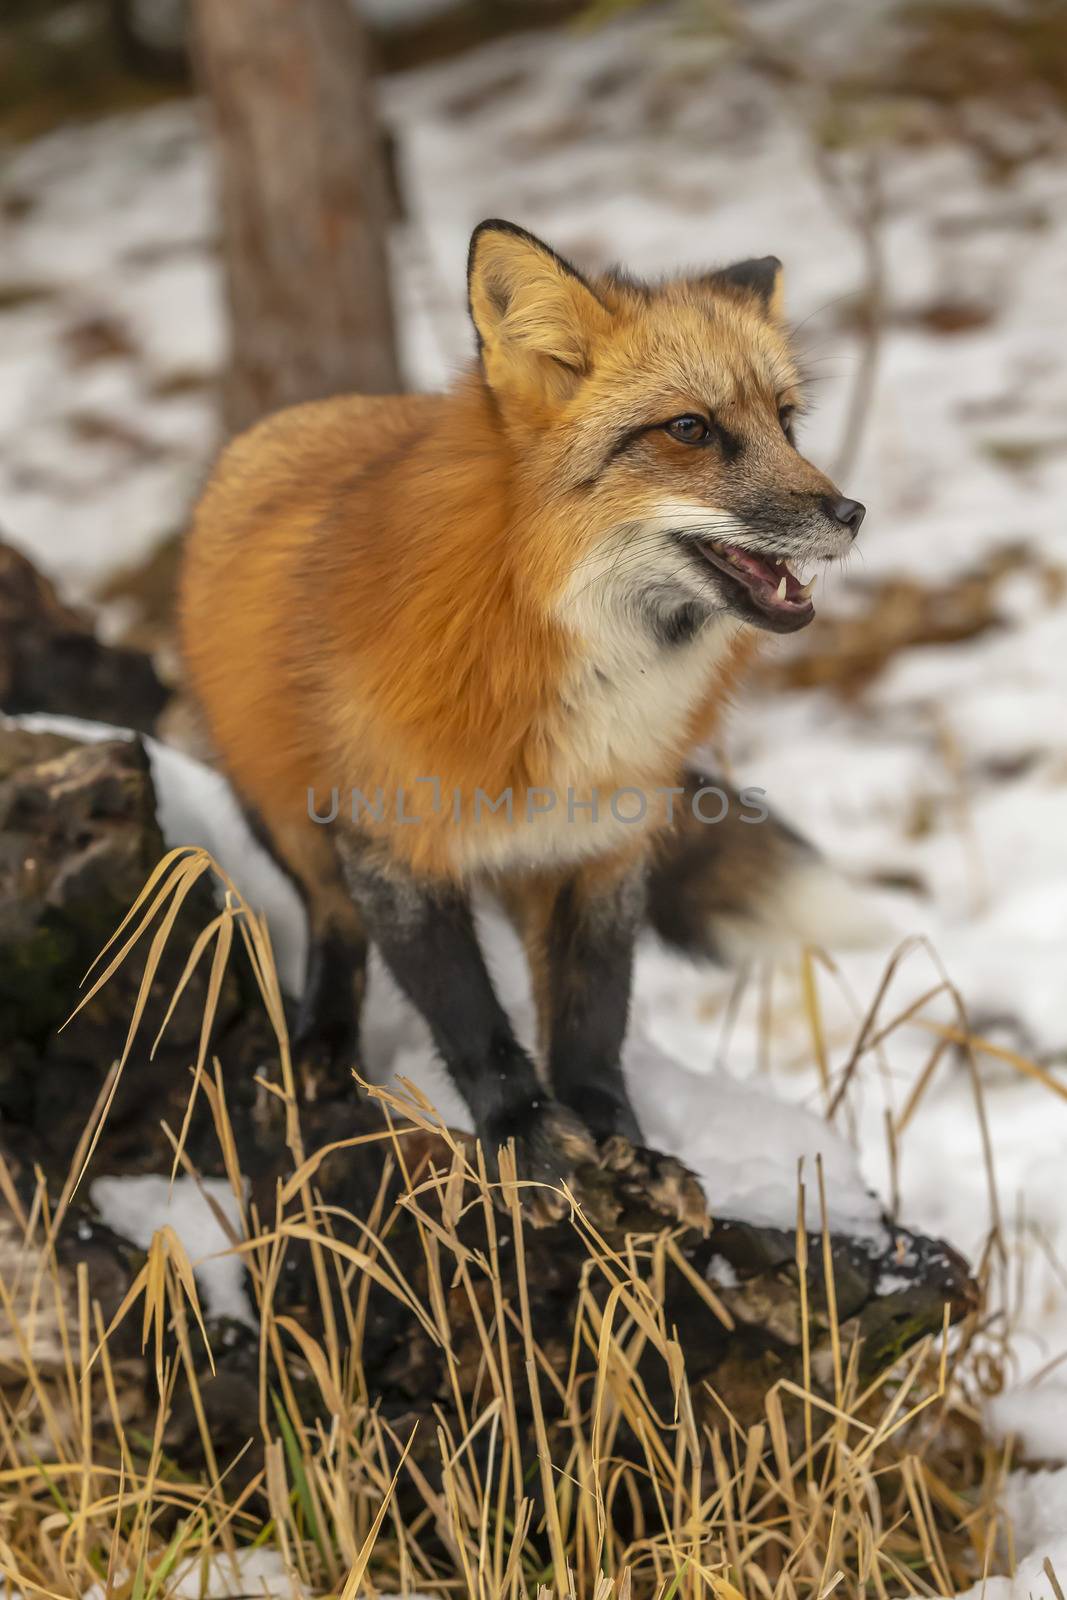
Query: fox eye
[689, 429]
[785, 417]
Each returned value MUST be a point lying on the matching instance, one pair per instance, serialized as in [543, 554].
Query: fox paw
[653, 1179]
[323, 1064]
[553, 1146]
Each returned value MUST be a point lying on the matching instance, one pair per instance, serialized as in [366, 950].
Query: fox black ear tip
[488, 225]
[495, 225]
[758, 275]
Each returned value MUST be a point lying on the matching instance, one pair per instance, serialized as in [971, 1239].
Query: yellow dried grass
[892, 1489]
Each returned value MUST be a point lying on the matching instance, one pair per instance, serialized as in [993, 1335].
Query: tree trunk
[304, 202]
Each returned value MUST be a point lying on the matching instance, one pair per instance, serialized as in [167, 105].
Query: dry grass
[863, 1488]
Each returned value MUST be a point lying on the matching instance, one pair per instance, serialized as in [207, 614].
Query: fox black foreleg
[427, 938]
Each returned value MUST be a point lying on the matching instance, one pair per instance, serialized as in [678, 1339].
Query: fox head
[653, 429]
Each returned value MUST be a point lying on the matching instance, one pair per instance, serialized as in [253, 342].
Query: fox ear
[535, 316]
[761, 276]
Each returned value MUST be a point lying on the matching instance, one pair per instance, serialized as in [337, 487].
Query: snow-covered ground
[949, 771]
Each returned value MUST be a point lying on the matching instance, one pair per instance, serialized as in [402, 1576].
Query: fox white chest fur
[631, 694]
[624, 709]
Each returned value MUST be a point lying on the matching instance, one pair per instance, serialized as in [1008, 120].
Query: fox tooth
[781, 590]
[802, 594]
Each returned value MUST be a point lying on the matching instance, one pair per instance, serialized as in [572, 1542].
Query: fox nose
[849, 513]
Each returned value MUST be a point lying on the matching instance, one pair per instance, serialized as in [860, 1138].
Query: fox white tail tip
[810, 903]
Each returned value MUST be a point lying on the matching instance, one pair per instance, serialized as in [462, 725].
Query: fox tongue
[763, 572]
[770, 581]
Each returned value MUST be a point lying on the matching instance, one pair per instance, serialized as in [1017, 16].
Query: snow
[1037, 1418]
[721, 1273]
[248, 1571]
[746, 1146]
[1031, 1581]
[87, 503]
[949, 771]
[255, 1572]
[1036, 1502]
[136, 1207]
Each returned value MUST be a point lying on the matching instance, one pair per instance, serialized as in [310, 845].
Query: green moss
[35, 974]
[40, 974]
[897, 1335]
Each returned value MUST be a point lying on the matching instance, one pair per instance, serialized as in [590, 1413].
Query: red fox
[471, 640]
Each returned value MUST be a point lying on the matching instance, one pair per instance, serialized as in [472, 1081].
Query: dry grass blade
[1050, 1573]
[986, 1047]
[187, 871]
[606, 1474]
[166, 1268]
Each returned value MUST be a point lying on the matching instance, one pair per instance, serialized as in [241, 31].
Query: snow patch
[137, 1206]
[1037, 1417]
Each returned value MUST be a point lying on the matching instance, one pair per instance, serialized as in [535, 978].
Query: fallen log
[51, 660]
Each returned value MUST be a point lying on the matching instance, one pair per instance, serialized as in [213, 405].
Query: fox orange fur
[542, 584]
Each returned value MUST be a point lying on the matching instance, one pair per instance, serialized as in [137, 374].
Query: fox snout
[848, 514]
[803, 515]
[755, 562]
[798, 511]
[820, 526]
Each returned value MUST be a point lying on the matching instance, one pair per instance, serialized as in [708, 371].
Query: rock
[78, 839]
[112, 1264]
[751, 1271]
[737, 1354]
[50, 659]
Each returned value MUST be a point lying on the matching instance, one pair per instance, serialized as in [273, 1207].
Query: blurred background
[172, 264]
[186, 246]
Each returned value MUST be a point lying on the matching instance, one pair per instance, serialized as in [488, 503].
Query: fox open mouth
[761, 588]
